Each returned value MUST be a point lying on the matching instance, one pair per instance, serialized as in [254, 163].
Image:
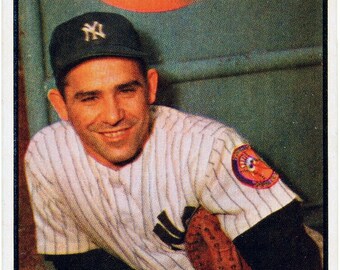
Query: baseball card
[175, 134]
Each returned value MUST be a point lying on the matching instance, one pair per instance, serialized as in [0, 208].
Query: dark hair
[61, 79]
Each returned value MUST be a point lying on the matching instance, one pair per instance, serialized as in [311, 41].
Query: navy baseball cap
[91, 35]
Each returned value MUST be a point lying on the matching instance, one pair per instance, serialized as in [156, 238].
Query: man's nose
[113, 111]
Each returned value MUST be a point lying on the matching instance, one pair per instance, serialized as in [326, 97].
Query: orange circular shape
[149, 5]
[251, 170]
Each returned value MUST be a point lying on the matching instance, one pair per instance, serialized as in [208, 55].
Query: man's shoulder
[53, 130]
[174, 120]
[50, 136]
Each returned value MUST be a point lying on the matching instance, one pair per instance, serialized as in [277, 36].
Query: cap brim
[76, 59]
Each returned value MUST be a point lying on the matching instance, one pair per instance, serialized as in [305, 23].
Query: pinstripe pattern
[80, 205]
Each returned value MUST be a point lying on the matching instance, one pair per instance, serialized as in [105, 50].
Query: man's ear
[152, 84]
[58, 103]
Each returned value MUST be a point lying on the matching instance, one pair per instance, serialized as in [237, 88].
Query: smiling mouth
[120, 134]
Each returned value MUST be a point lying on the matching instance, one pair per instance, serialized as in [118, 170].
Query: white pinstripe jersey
[80, 204]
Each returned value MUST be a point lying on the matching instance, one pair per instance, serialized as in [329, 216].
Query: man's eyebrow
[82, 94]
[85, 93]
[129, 84]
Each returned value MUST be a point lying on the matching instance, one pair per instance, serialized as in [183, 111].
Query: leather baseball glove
[208, 247]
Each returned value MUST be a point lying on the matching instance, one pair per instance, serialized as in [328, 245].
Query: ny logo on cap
[92, 32]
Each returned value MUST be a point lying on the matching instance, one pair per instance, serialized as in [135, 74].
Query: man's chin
[126, 160]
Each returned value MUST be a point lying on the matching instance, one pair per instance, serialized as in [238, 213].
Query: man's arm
[280, 242]
[95, 259]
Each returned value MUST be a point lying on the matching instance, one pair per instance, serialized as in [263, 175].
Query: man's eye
[88, 99]
[127, 90]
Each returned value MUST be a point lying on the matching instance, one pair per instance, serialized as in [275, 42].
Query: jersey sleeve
[240, 187]
[56, 231]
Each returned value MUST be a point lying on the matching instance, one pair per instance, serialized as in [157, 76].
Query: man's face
[107, 102]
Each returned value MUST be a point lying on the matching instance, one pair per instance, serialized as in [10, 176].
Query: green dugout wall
[254, 65]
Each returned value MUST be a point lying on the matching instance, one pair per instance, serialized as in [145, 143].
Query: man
[119, 176]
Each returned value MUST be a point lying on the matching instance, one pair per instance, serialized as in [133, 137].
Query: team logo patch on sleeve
[251, 170]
